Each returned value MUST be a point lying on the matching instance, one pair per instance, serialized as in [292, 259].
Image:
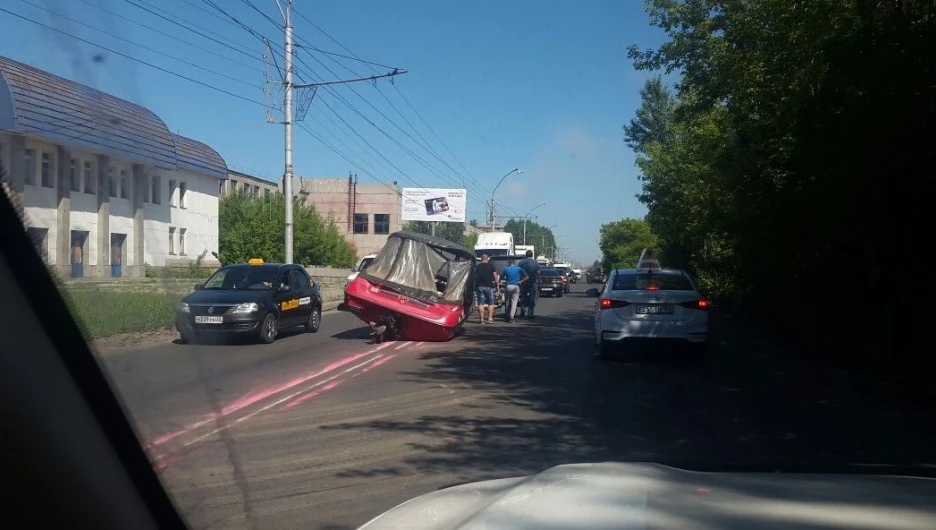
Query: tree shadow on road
[534, 396]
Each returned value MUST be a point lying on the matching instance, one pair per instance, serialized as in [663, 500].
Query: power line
[124, 55]
[194, 28]
[163, 33]
[118, 37]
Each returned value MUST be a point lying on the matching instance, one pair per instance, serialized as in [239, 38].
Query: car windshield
[549, 272]
[242, 277]
[639, 282]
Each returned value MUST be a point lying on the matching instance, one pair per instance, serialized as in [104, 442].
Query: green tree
[622, 241]
[539, 236]
[254, 228]
[454, 232]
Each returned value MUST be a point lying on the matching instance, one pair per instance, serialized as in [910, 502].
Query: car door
[286, 299]
[303, 294]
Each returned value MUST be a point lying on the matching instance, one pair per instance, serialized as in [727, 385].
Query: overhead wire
[118, 37]
[130, 57]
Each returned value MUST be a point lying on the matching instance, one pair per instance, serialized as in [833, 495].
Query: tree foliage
[454, 232]
[539, 236]
[622, 241]
[254, 228]
[778, 168]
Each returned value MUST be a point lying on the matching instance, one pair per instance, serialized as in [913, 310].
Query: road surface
[326, 430]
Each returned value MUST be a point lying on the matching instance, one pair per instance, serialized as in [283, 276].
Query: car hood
[651, 496]
[232, 296]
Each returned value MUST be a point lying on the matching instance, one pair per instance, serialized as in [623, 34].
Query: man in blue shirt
[529, 291]
[514, 276]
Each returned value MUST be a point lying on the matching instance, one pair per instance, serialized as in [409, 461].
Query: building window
[111, 182]
[182, 241]
[73, 176]
[381, 223]
[256, 191]
[156, 185]
[360, 223]
[145, 189]
[89, 178]
[123, 184]
[31, 167]
[182, 189]
[172, 193]
[172, 240]
[47, 180]
[233, 188]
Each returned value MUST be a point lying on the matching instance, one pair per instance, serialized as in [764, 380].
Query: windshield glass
[663, 282]
[549, 272]
[365, 263]
[492, 252]
[242, 277]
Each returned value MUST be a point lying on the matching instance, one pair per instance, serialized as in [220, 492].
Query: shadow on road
[547, 401]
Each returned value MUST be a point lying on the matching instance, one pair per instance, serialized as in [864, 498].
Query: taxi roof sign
[648, 260]
[255, 261]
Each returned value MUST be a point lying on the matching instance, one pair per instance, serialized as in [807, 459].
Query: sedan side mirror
[592, 293]
[284, 288]
[199, 286]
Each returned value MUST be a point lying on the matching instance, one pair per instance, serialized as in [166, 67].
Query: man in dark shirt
[530, 288]
[485, 283]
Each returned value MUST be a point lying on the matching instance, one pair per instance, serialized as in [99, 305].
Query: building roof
[37, 103]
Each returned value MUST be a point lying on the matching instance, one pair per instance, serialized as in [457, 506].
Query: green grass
[103, 313]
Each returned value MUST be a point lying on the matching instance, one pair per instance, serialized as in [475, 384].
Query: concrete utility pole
[288, 87]
[287, 121]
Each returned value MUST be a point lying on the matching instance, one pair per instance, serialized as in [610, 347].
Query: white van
[495, 244]
[361, 265]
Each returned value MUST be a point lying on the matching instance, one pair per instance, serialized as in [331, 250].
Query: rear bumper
[691, 331]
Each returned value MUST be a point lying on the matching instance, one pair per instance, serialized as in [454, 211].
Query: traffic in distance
[424, 288]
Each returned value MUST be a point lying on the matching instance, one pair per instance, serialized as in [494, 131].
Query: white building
[103, 186]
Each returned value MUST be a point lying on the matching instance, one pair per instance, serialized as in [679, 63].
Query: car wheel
[315, 320]
[267, 333]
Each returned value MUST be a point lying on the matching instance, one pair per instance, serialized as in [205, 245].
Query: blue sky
[541, 85]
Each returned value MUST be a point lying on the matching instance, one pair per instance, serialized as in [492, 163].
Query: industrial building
[365, 213]
[103, 186]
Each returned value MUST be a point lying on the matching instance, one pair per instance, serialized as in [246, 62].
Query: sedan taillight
[610, 303]
[701, 305]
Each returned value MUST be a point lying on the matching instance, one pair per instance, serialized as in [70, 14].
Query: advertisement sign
[434, 204]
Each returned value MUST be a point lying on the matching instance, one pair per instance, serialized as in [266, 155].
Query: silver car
[649, 304]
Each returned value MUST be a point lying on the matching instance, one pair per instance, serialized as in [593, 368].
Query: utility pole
[287, 121]
[288, 87]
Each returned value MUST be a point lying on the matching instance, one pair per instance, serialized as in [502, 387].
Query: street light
[527, 216]
[511, 172]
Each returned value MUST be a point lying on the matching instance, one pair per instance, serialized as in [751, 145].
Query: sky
[490, 86]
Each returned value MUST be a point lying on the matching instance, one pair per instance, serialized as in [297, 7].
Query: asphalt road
[326, 430]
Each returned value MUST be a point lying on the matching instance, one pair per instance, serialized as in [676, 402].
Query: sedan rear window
[639, 282]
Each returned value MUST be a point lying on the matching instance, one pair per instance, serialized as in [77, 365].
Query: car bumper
[692, 330]
[232, 325]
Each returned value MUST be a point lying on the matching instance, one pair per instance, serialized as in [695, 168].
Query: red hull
[416, 320]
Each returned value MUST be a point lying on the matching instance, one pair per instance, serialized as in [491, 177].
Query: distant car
[250, 299]
[649, 304]
[552, 283]
[593, 277]
[361, 265]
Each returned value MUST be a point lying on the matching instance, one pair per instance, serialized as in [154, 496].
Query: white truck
[495, 244]
[522, 249]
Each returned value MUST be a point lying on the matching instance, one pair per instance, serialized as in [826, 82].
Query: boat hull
[406, 318]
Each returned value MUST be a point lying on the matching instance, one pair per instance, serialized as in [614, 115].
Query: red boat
[419, 287]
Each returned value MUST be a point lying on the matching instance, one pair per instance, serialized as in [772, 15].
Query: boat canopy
[424, 267]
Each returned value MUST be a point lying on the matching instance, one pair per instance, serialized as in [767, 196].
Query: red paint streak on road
[302, 399]
[253, 398]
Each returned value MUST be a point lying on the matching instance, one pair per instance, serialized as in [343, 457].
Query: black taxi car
[253, 298]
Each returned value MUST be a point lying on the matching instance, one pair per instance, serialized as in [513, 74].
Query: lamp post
[527, 216]
[493, 193]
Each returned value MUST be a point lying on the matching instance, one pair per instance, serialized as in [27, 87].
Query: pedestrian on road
[485, 283]
[515, 277]
[530, 289]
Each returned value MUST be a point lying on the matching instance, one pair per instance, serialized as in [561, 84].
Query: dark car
[254, 298]
[552, 282]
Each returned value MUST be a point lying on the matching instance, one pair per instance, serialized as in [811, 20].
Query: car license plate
[209, 320]
[661, 309]
[547, 288]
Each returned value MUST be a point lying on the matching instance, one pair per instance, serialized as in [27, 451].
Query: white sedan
[649, 304]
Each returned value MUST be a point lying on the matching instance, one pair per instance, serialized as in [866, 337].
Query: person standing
[530, 290]
[485, 283]
[515, 277]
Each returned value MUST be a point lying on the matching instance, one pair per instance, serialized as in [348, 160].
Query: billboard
[434, 204]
